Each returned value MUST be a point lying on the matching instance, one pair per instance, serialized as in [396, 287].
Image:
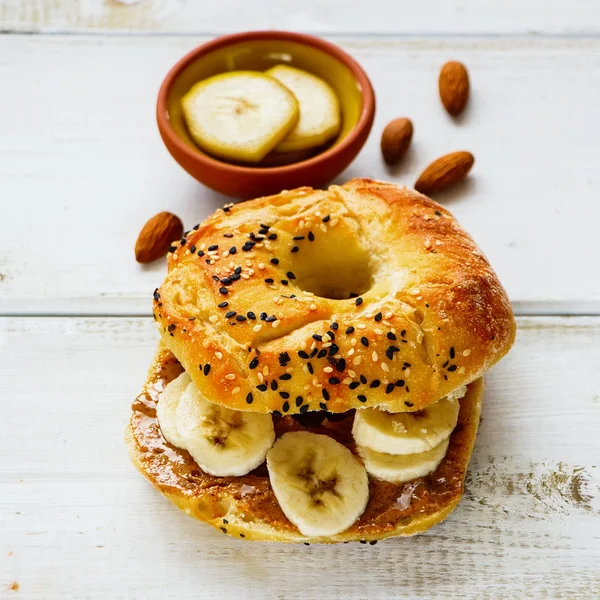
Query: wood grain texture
[78, 522]
[82, 166]
[324, 17]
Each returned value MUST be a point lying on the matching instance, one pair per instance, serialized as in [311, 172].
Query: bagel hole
[336, 265]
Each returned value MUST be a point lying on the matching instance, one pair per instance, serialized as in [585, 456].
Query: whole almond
[444, 172]
[454, 87]
[395, 140]
[156, 236]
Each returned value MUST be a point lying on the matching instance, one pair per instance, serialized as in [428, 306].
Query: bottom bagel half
[246, 506]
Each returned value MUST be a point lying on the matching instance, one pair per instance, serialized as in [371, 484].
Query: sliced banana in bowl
[399, 468]
[240, 116]
[319, 109]
[320, 485]
[222, 441]
[408, 432]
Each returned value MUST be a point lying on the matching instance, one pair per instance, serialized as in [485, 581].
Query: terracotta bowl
[260, 50]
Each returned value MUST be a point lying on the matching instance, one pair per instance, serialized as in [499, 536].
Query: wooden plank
[82, 166]
[332, 17]
[79, 522]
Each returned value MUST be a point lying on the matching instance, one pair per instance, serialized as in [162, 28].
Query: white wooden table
[82, 168]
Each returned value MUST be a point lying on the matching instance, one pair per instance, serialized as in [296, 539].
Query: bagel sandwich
[319, 374]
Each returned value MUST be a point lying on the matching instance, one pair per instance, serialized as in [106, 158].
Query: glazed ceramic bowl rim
[365, 88]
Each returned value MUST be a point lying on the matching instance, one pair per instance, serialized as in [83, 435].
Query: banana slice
[167, 406]
[399, 468]
[406, 433]
[222, 441]
[240, 116]
[319, 108]
[320, 485]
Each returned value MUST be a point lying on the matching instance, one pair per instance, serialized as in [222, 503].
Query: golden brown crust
[246, 507]
[433, 315]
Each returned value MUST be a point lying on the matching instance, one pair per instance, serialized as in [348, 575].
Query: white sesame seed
[206, 343]
[275, 324]
[248, 263]
[315, 381]
[327, 370]
[250, 272]
[466, 352]
[388, 315]
[378, 331]
[407, 373]
[461, 370]
[218, 270]
[261, 266]
[333, 223]
[357, 360]
[230, 376]
[244, 276]
[347, 381]
[361, 326]
[313, 345]
[276, 300]
[313, 307]
[351, 373]
[257, 327]
[226, 254]
[351, 351]
[260, 377]
[273, 287]
[326, 345]
[213, 318]
[374, 356]
[219, 355]
[323, 227]
[353, 342]
[386, 323]
[385, 367]
[266, 371]
[236, 390]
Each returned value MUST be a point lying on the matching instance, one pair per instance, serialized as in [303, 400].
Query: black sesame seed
[452, 354]
[375, 383]
[240, 318]
[326, 219]
[223, 529]
[285, 377]
[271, 319]
[223, 305]
[172, 248]
[213, 247]
[313, 353]
[274, 261]
[183, 240]
[284, 359]
[331, 335]
[310, 368]
[358, 301]
[223, 291]
[303, 409]
[299, 400]
[400, 383]
[378, 316]
[391, 336]
[364, 341]
[350, 330]
[232, 250]
[363, 541]
[340, 365]
[263, 316]
[334, 380]
[362, 398]
[171, 327]
[254, 363]
[389, 388]
[333, 349]
[272, 236]
[274, 385]
[192, 249]
[302, 354]
[216, 278]
[354, 385]
[322, 353]
[269, 280]
[284, 281]
[390, 351]
[200, 253]
[322, 405]
[298, 237]
[325, 394]
[335, 326]
[228, 235]
[452, 368]
[206, 369]
[363, 380]
[235, 277]
[438, 213]
[284, 395]
[409, 404]
[276, 413]
[311, 236]
[286, 406]
[249, 398]
[251, 315]
[230, 314]
[317, 337]
[156, 295]
[403, 333]
[262, 387]
[291, 275]
[295, 249]
[242, 535]
[445, 364]
[372, 542]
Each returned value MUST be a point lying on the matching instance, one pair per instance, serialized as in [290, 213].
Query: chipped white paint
[332, 16]
[82, 168]
[79, 522]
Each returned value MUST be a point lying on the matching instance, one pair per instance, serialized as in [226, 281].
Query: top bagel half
[367, 294]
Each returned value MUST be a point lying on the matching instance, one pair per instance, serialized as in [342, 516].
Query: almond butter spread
[172, 469]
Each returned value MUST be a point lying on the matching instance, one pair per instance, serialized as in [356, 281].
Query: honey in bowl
[276, 117]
